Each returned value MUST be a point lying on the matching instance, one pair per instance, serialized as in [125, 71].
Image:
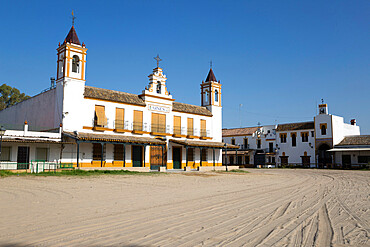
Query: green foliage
[10, 96]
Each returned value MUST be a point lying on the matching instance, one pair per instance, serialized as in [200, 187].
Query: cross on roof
[73, 19]
[158, 60]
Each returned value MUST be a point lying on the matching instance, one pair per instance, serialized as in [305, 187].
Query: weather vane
[158, 60]
[73, 19]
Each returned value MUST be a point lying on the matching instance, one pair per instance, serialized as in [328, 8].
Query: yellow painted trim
[192, 113]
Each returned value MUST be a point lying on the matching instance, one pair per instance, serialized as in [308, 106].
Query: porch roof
[204, 144]
[32, 140]
[91, 137]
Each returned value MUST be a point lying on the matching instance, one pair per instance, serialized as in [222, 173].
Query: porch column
[102, 154]
[144, 156]
[78, 154]
[214, 157]
[124, 155]
[186, 147]
[200, 151]
[236, 156]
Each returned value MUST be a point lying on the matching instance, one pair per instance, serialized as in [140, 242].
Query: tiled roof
[211, 76]
[112, 95]
[194, 109]
[134, 99]
[355, 140]
[114, 138]
[204, 144]
[295, 126]
[72, 37]
[239, 131]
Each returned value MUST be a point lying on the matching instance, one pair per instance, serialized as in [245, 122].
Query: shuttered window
[120, 117]
[5, 153]
[190, 154]
[177, 125]
[158, 123]
[190, 127]
[41, 154]
[138, 120]
[97, 148]
[203, 129]
[118, 151]
[204, 154]
[100, 118]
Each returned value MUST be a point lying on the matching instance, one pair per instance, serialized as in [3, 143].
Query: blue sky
[276, 58]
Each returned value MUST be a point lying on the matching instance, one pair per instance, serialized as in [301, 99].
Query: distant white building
[116, 129]
[297, 144]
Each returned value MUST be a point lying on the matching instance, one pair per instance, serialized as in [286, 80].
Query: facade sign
[159, 108]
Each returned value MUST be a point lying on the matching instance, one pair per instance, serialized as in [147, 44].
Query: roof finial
[322, 101]
[158, 60]
[73, 19]
[210, 64]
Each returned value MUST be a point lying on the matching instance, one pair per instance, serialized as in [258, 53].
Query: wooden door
[23, 157]
[156, 157]
[137, 156]
[176, 157]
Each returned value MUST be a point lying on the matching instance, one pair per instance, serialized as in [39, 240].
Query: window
[76, 64]
[120, 114]
[294, 139]
[138, 120]
[245, 142]
[323, 128]
[190, 127]
[42, 154]
[159, 87]
[258, 144]
[216, 95]
[190, 154]
[5, 153]
[364, 159]
[97, 148]
[312, 133]
[304, 136]
[246, 158]
[283, 137]
[158, 123]
[100, 119]
[204, 154]
[203, 129]
[233, 141]
[177, 125]
[118, 151]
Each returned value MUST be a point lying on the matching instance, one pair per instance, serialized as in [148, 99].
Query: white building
[118, 129]
[295, 144]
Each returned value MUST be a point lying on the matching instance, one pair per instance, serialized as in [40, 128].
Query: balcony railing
[102, 124]
[121, 125]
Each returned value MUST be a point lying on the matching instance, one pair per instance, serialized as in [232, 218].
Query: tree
[10, 96]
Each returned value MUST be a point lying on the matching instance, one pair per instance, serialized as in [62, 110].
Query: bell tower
[211, 91]
[71, 61]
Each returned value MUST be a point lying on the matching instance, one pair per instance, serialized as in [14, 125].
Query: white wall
[39, 111]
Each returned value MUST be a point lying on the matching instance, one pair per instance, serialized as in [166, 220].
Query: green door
[176, 157]
[137, 156]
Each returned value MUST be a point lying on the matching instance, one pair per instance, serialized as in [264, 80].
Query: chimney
[353, 121]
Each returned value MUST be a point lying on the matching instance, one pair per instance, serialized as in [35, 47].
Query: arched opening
[294, 140]
[216, 95]
[76, 64]
[324, 157]
[323, 130]
[159, 87]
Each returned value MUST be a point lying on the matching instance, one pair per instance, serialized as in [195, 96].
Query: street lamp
[2, 132]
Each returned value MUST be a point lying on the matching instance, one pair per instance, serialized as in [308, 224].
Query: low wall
[132, 169]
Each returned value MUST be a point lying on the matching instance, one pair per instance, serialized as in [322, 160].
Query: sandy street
[263, 208]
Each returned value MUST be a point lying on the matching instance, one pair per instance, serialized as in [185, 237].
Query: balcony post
[124, 155]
